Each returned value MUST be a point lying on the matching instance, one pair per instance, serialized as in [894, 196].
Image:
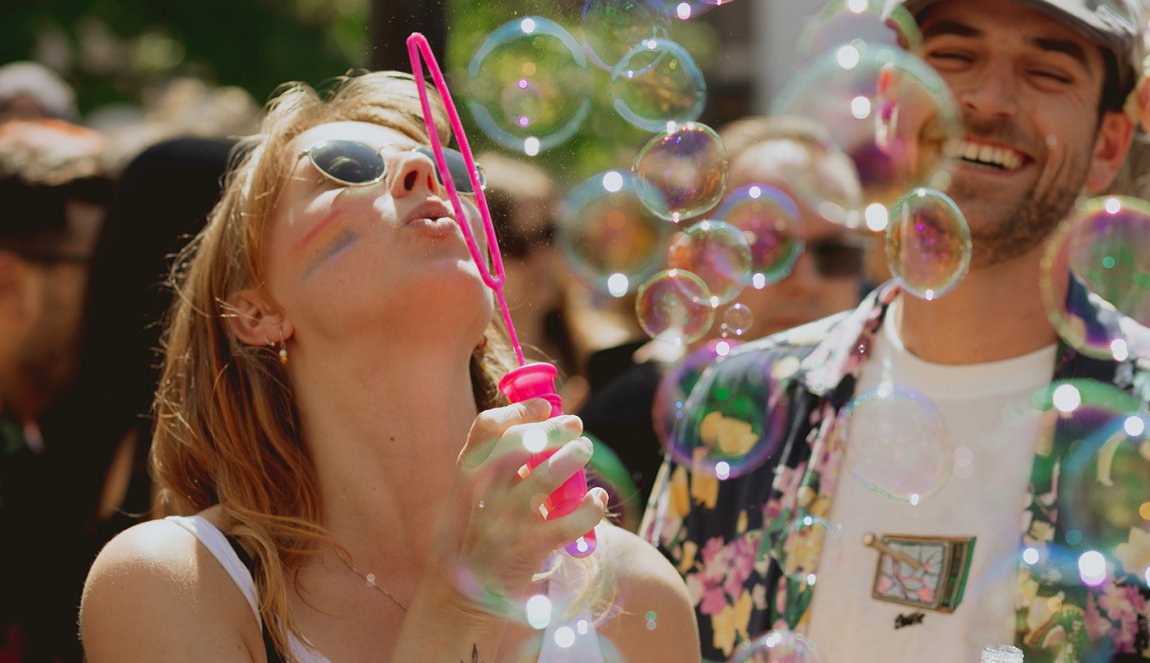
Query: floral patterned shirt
[735, 543]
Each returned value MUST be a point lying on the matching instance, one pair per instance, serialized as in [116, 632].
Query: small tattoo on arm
[909, 620]
[474, 654]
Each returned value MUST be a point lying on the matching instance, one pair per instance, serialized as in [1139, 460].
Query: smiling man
[979, 556]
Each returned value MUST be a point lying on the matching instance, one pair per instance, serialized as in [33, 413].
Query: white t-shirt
[992, 429]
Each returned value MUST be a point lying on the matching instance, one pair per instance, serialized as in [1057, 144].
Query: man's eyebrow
[1065, 46]
[954, 28]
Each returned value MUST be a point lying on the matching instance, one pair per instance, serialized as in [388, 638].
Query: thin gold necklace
[369, 578]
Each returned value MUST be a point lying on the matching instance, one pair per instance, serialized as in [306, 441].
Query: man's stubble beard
[1002, 235]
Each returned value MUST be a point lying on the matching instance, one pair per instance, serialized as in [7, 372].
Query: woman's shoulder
[155, 592]
[655, 620]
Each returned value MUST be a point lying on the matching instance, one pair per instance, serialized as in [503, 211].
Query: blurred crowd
[96, 208]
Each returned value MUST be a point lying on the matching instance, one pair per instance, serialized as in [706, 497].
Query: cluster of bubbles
[529, 83]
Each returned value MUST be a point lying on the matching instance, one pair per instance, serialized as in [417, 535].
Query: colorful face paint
[325, 241]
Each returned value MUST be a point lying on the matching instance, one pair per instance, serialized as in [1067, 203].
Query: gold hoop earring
[283, 355]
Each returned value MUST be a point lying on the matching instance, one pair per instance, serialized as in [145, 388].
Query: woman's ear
[255, 320]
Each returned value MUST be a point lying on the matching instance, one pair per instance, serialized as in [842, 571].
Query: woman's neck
[385, 429]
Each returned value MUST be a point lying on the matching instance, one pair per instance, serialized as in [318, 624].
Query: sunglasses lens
[836, 259]
[457, 167]
[348, 161]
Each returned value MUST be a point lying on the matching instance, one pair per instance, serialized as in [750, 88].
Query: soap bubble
[809, 547]
[682, 172]
[717, 253]
[607, 471]
[770, 220]
[734, 418]
[675, 306]
[887, 110]
[670, 404]
[1105, 244]
[658, 82]
[1103, 501]
[737, 319]
[612, 27]
[780, 646]
[609, 239]
[896, 443]
[843, 22]
[927, 243]
[527, 85]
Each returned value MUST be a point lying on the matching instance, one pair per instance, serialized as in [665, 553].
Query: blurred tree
[113, 50]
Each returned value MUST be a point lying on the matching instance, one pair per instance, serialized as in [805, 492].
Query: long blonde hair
[227, 424]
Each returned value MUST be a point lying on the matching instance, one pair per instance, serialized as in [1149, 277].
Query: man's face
[56, 290]
[1028, 87]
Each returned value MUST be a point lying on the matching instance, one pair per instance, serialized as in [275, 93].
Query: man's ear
[1110, 147]
[255, 320]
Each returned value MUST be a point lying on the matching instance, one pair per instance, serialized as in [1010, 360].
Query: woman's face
[341, 259]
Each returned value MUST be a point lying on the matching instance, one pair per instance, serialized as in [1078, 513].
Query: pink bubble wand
[535, 380]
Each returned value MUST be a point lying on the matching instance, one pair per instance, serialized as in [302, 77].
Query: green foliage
[112, 50]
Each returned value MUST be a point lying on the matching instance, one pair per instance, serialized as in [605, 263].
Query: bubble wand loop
[535, 380]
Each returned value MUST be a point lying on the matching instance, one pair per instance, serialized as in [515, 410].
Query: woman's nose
[414, 173]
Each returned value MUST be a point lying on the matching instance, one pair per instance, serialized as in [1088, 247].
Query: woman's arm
[155, 594]
[648, 587]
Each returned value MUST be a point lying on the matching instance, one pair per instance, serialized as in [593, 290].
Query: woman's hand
[495, 537]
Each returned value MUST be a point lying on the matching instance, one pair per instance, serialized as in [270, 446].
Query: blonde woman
[329, 432]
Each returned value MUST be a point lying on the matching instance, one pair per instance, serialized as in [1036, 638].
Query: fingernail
[539, 407]
[600, 496]
[583, 449]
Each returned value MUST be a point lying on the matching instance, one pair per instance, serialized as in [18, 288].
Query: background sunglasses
[354, 163]
[836, 258]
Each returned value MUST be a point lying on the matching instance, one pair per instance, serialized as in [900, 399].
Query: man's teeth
[1001, 157]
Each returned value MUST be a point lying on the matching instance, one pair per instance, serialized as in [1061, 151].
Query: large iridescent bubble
[896, 443]
[1104, 246]
[682, 172]
[928, 243]
[613, 27]
[609, 239]
[716, 252]
[734, 417]
[1103, 437]
[670, 405]
[657, 82]
[770, 221]
[886, 109]
[527, 85]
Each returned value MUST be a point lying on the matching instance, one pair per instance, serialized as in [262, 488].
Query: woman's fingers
[562, 531]
[491, 425]
[548, 475]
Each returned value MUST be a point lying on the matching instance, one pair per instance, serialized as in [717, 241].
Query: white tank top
[564, 641]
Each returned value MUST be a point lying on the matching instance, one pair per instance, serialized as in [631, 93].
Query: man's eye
[1051, 75]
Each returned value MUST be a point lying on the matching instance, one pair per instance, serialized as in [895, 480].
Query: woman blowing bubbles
[328, 411]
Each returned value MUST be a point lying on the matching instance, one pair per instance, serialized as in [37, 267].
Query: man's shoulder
[797, 341]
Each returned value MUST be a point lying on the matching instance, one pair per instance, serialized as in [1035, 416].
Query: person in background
[54, 195]
[521, 198]
[826, 278]
[30, 90]
[881, 553]
[329, 430]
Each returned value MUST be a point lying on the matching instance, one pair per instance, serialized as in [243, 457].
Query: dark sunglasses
[353, 163]
[836, 258]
